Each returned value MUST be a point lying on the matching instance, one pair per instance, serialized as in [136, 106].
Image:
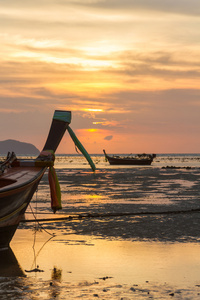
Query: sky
[128, 70]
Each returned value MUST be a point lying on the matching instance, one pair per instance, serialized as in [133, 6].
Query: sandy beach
[123, 233]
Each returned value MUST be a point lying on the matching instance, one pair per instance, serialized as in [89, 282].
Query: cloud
[108, 138]
[172, 112]
[136, 61]
[179, 6]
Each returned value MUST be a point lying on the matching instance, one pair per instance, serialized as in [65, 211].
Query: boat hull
[13, 204]
[141, 160]
[136, 162]
[19, 178]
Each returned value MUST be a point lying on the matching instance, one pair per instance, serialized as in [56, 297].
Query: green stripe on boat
[81, 148]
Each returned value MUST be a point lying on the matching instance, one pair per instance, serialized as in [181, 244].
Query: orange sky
[128, 71]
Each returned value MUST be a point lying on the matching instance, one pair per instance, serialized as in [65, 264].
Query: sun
[92, 130]
[93, 109]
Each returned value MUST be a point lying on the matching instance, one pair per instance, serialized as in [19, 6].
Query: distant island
[19, 148]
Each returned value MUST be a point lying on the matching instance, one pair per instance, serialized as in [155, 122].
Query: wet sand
[151, 253]
[153, 204]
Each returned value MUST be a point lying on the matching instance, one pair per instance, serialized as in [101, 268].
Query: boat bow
[19, 178]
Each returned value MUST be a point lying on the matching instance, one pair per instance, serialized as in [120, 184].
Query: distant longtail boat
[139, 159]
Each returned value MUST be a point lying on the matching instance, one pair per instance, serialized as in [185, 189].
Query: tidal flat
[123, 233]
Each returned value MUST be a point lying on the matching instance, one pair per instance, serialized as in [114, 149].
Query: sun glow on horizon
[92, 130]
[121, 68]
[102, 48]
[93, 109]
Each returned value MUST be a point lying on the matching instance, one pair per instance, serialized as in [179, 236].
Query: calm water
[78, 161]
[133, 232]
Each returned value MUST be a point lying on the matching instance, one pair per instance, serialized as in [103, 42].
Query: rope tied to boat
[53, 180]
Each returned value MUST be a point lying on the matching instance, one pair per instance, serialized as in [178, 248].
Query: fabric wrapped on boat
[55, 190]
[53, 179]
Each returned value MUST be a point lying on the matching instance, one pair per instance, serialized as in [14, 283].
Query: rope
[109, 215]
[36, 220]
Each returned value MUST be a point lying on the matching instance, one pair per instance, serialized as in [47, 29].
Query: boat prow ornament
[19, 178]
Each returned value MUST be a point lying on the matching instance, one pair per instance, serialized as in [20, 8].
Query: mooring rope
[37, 220]
[110, 215]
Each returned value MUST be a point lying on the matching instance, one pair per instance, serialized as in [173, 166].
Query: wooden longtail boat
[140, 159]
[19, 178]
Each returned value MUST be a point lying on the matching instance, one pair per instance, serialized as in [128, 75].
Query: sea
[124, 232]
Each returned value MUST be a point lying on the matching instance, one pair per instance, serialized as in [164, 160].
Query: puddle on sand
[85, 267]
[89, 258]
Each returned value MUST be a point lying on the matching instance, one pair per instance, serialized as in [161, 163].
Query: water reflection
[9, 266]
[75, 265]
[56, 277]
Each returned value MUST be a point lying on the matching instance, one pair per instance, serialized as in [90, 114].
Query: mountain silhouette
[19, 148]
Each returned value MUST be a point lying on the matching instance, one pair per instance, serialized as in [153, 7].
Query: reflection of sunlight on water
[85, 267]
[85, 199]
[84, 258]
[176, 183]
[185, 183]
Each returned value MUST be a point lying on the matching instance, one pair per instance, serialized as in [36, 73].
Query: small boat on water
[139, 159]
[19, 178]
